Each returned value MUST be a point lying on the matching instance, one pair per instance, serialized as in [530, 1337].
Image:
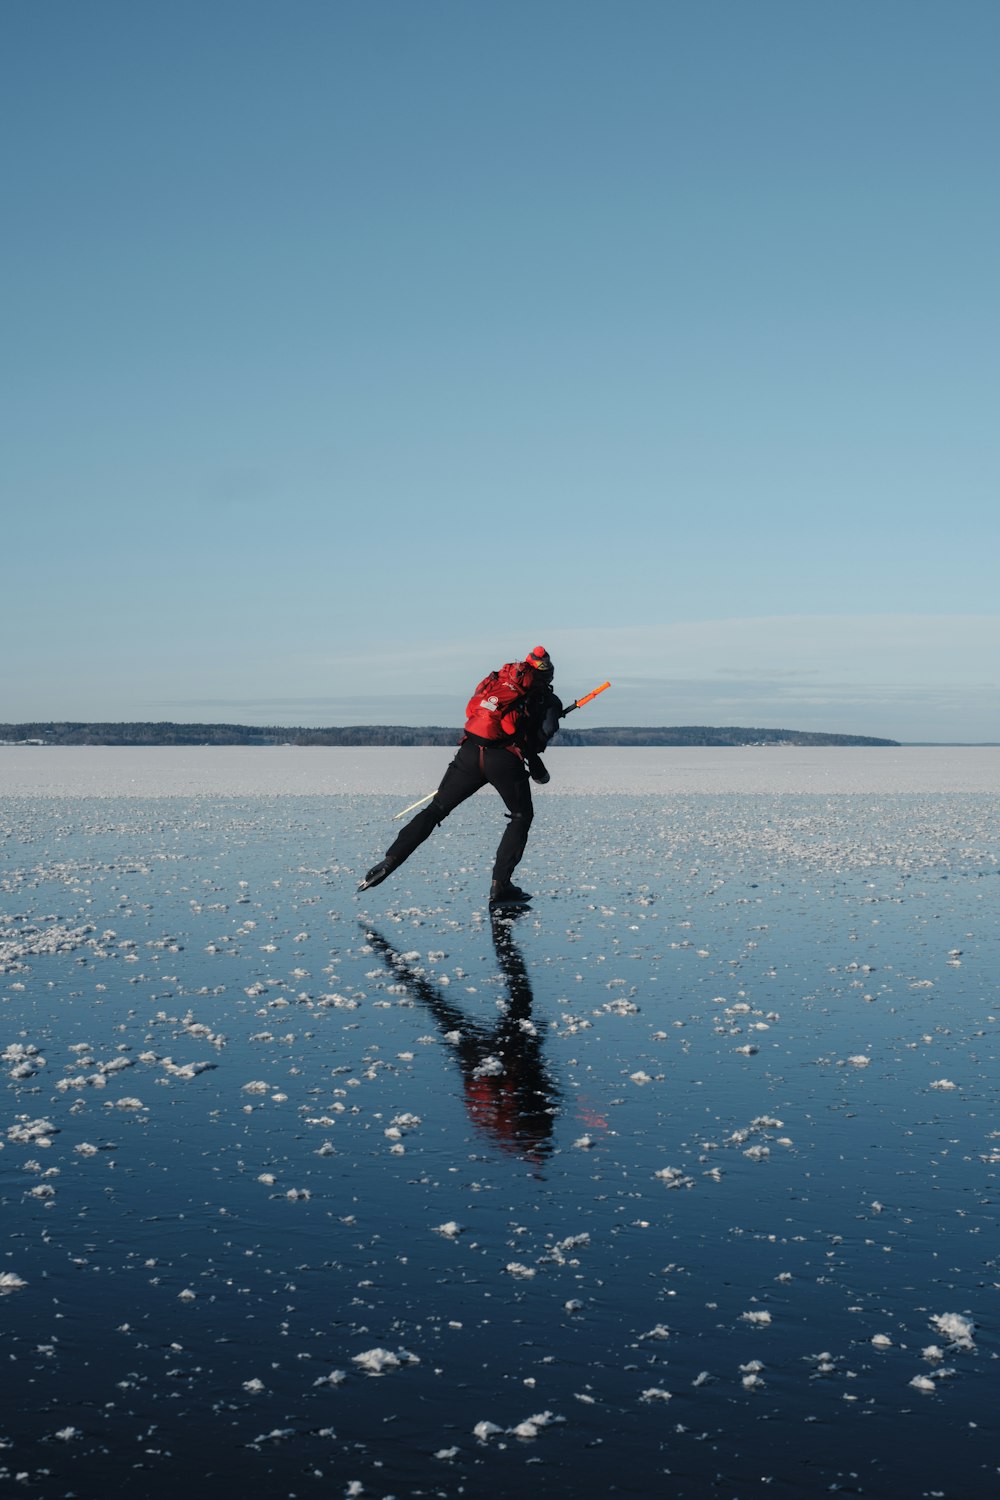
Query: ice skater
[510, 719]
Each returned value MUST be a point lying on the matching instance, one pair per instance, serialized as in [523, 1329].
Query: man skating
[509, 720]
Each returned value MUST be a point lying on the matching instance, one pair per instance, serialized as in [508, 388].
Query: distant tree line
[57, 733]
[702, 734]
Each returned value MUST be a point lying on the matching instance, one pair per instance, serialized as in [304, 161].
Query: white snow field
[167, 771]
[682, 1182]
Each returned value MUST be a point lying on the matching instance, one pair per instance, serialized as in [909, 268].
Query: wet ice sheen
[306, 1192]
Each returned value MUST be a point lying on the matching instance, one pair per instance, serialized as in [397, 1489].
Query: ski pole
[420, 803]
[586, 699]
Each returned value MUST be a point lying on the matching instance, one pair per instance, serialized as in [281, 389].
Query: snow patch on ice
[956, 1329]
[378, 1361]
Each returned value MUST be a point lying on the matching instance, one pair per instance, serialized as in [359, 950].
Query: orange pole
[581, 701]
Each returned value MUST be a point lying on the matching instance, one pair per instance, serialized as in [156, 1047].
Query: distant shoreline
[835, 742]
[138, 734]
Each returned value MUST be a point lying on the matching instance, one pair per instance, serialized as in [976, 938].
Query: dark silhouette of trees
[66, 733]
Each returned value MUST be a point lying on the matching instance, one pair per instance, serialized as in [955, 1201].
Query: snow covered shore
[164, 771]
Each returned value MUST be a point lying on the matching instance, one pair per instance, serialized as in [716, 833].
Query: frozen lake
[76, 771]
[682, 1182]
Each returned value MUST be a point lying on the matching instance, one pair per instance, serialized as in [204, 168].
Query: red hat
[539, 659]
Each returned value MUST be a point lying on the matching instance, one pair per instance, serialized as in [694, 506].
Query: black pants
[472, 768]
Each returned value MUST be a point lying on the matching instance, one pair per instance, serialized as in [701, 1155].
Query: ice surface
[306, 1192]
[286, 770]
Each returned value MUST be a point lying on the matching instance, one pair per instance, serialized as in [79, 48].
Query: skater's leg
[461, 780]
[508, 774]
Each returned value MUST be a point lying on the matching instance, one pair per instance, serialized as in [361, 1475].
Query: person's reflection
[509, 1092]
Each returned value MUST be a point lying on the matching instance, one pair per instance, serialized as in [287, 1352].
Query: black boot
[377, 874]
[502, 894]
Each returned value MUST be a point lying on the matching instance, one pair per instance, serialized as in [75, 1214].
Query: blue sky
[351, 349]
